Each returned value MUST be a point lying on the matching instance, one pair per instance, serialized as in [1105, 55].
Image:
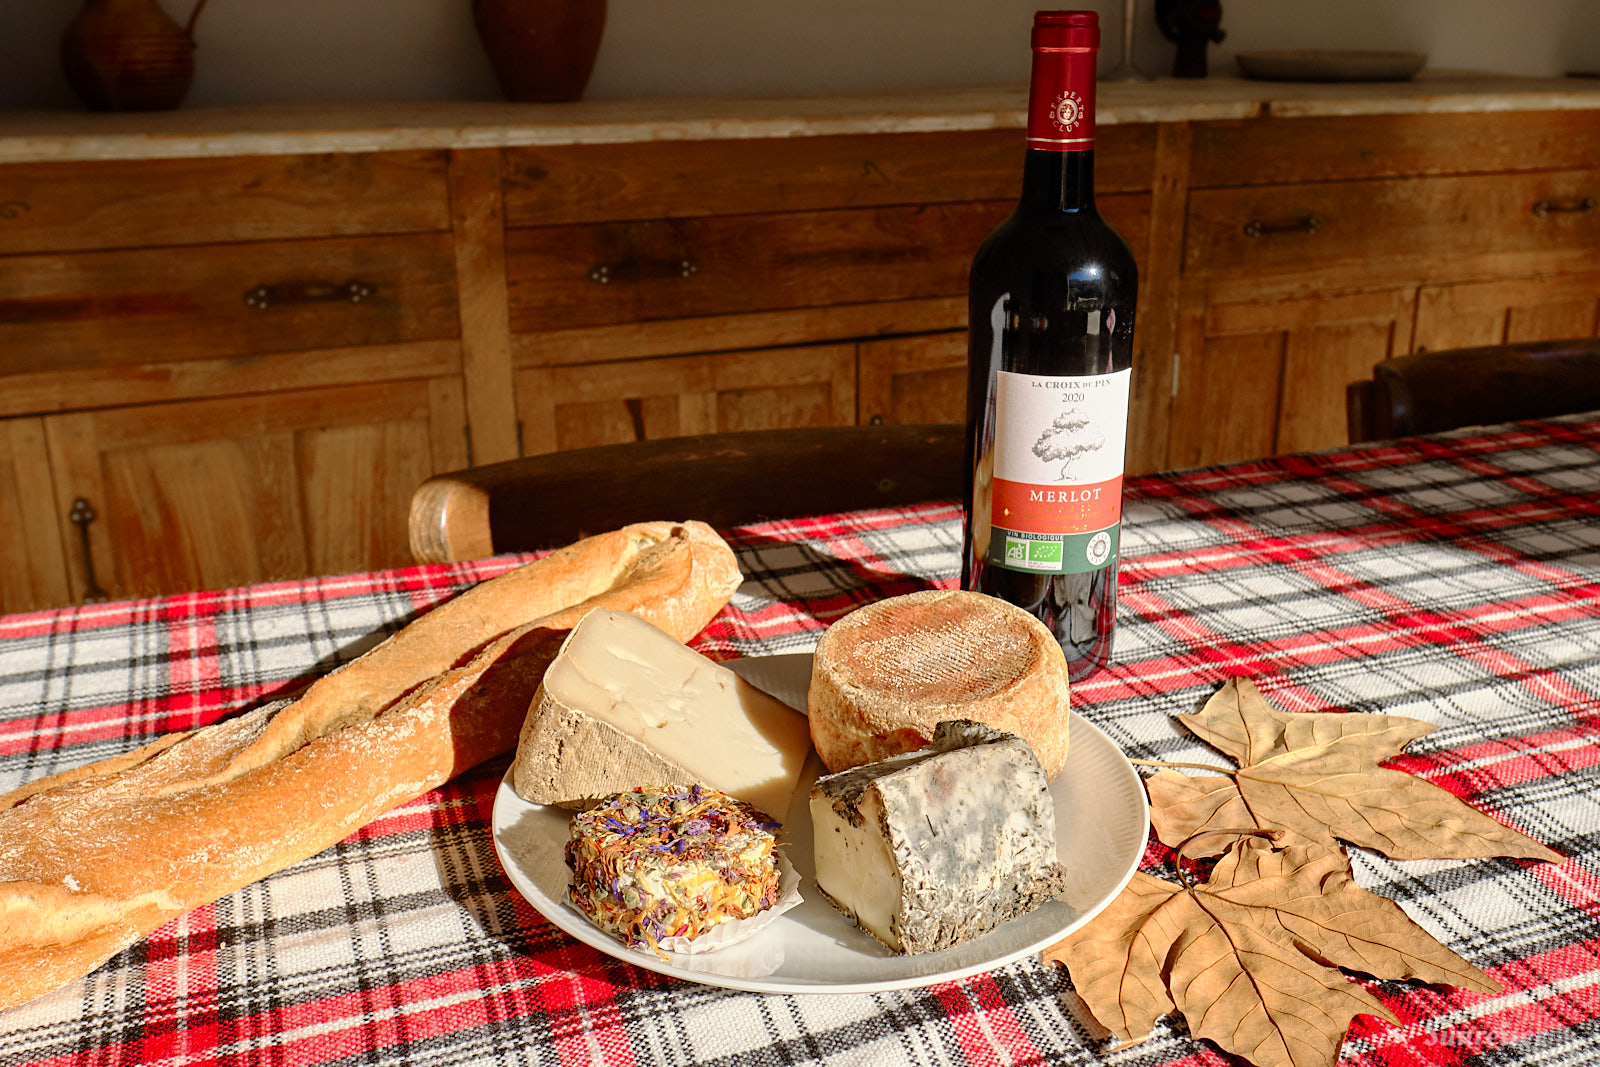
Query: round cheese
[886, 674]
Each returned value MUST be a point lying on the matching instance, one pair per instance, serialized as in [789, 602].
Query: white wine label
[1058, 462]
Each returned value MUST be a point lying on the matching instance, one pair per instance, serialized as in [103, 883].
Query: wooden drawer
[667, 179]
[568, 276]
[57, 207]
[1431, 222]
[610, 403]
[1273, 151]
[102, 310]
[213, 493]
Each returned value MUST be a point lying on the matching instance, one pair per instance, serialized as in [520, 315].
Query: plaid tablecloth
[1454, 579]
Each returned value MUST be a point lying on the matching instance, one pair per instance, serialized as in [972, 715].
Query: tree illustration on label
[1068, 439]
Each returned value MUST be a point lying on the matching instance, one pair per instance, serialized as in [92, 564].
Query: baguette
[93, 859]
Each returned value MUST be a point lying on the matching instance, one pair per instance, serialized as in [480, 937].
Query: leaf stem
[1236, 831]
[1191, 766]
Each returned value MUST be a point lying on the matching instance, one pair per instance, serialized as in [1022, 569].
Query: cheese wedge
[624, 705]
[927, 849]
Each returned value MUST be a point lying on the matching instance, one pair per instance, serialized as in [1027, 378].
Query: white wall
[298, 50]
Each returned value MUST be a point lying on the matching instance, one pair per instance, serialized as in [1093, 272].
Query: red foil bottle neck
[1061, 93]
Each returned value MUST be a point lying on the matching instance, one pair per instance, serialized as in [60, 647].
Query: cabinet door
[610, 403]
[1505, 312]
[914, 380]
[213, 493]
[33, 570]
[1262, 379]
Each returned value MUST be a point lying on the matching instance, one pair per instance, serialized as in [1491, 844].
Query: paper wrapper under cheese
[93, 859]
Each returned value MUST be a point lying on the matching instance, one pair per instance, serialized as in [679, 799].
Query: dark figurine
[1191, 25]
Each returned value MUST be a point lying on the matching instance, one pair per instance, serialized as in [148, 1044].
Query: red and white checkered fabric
[1455, 579]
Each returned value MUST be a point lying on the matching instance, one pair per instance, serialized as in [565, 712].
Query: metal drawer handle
[265, 296]
[81, 515]
[1576, 207]
[634, 270]
[1303, 224]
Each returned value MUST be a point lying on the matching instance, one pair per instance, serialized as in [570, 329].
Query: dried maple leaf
[1239, 722]
[1316, 775]
[1118, 961]
[1250, 958]
[1308, 893]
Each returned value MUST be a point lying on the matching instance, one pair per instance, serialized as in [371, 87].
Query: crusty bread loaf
[95, 858]
[886, 674]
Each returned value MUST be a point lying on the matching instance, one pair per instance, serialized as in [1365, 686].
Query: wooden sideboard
[241, 358]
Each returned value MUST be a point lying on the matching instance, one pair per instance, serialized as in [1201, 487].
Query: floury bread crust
[93, 859]
[888, 673]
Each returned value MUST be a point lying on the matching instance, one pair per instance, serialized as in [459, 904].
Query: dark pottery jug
[128, 55]
[541, 50]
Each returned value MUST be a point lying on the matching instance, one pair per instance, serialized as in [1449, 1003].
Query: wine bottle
[1050, 362]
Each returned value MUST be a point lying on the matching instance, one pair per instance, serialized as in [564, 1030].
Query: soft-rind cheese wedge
[927, 849]
[624, 705]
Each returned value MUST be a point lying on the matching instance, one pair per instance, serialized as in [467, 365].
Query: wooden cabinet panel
[1315, 228]
[59, 207]
[914, 380]
[681, 179]
[1271, 151]
[1505, 312]
[92, 310]
[1226, 401]
[213, 493]
[33, 570]
[1262, 379]
[610, 403]
[569, 276]
[1318, 362]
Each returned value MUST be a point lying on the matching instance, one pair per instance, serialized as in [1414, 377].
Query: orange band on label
[1057, 509]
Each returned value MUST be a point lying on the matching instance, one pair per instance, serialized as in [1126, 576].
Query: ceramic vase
[127, 55]
[541, 50]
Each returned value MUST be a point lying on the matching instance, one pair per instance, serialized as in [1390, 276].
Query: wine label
[1058, 461]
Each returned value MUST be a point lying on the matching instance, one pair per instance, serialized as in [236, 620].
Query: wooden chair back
[1433, 391]
[727, 479]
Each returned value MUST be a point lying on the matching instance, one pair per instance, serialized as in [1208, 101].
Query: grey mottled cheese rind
[970, 825]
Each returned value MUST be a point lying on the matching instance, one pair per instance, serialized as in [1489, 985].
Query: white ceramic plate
[1101, 825]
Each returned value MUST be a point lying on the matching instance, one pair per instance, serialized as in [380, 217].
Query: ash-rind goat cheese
[931, 848]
